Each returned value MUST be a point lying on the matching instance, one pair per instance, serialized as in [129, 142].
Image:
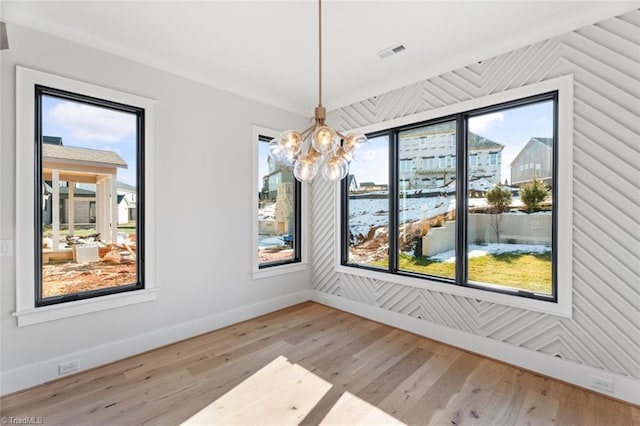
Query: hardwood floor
[311, 364]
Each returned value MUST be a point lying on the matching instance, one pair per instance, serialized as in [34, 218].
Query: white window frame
[26, 311]
[564, 207]
[493, 159]
[406, 165]
[287, 268]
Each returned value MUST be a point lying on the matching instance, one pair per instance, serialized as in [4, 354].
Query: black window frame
[297, 228]
[462, 168]
[40, 91]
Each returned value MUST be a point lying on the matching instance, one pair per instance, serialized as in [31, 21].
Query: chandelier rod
[319, 52]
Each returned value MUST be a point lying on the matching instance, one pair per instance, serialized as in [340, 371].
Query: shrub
[499, 199]
[533, 193]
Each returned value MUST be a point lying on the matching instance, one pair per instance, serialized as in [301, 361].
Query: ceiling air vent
[391, 51]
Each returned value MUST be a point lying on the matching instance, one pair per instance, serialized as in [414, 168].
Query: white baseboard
[38, 373]
[625, 388]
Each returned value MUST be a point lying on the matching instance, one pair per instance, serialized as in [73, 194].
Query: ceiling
[267, 50]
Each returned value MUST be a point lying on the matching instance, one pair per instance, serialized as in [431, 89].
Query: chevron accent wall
[605, 329]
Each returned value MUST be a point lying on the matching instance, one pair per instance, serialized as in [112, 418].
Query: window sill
[71, 309]
[563, 308]
[275, 271]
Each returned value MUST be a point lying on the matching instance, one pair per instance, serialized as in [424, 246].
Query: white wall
[203, 214]
[603, 335]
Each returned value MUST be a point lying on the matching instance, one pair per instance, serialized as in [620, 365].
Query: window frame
[561, 302]
[139, 113]
[299, 263]
[30, 310]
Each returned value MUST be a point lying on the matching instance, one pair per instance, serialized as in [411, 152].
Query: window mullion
[393, 201]
[461, 199]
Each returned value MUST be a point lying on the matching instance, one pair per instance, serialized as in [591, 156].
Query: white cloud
[91, 123]
[482, 123]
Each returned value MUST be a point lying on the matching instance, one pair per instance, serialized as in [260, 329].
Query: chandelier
[318, 147]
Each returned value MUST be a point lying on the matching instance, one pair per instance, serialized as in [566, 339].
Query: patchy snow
[476, 250]
[265, 241]
[267, 212]
[367, 213]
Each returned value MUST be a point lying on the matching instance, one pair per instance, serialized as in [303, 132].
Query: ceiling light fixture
[319, 147]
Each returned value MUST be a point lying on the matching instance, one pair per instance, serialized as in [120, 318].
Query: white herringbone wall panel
[604, 332]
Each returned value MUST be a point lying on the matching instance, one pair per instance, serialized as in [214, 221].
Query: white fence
[514, 228]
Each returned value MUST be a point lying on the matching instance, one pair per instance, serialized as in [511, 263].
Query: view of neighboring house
[277, 175]
[67, 167]
[534, 160]
[127, 202]
[84, 205]
[428, 159]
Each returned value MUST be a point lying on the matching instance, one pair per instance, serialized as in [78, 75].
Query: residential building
[533, 161]
[428, 160]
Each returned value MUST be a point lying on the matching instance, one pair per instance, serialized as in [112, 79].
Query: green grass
[524, 271]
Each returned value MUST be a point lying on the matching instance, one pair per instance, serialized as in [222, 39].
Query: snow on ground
[267, 212]
[367, 213]
[476, 250]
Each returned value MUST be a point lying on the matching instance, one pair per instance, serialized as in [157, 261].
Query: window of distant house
[89, 196]
[279, 211]
[405, 165]
[487, 225]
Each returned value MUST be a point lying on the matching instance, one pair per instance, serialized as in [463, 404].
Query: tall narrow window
[426, 214]
[510, 214]
[367, 205]
[90, 174]
[279, 207]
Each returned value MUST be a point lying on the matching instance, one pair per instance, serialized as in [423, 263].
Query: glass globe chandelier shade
[280, 154]
[323, 139]
[335, 168]
[305, 168]
[319, 147]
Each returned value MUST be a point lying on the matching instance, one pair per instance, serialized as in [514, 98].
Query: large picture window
[475, 213]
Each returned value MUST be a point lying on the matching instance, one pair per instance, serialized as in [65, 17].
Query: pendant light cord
[319, 52]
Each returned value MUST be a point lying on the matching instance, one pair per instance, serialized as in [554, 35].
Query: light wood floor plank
[372, 374]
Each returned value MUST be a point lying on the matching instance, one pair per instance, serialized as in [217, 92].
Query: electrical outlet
[6, 247]
[600, 383]
[68, 367]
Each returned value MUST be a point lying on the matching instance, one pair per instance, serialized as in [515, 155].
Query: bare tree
[499, 199]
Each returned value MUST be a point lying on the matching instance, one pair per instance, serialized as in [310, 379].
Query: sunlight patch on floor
[280, 393]
[351, 410]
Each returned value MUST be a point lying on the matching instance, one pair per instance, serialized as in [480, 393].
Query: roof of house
[54, 140]
[480, 142]
[125, 186]
[82, 154]
[547, 142]
[64, 190]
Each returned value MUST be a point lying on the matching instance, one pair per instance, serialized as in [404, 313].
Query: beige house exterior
[82, 165]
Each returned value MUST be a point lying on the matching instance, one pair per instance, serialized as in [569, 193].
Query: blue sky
[86, 126]
[263, 165]
[512, 128]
